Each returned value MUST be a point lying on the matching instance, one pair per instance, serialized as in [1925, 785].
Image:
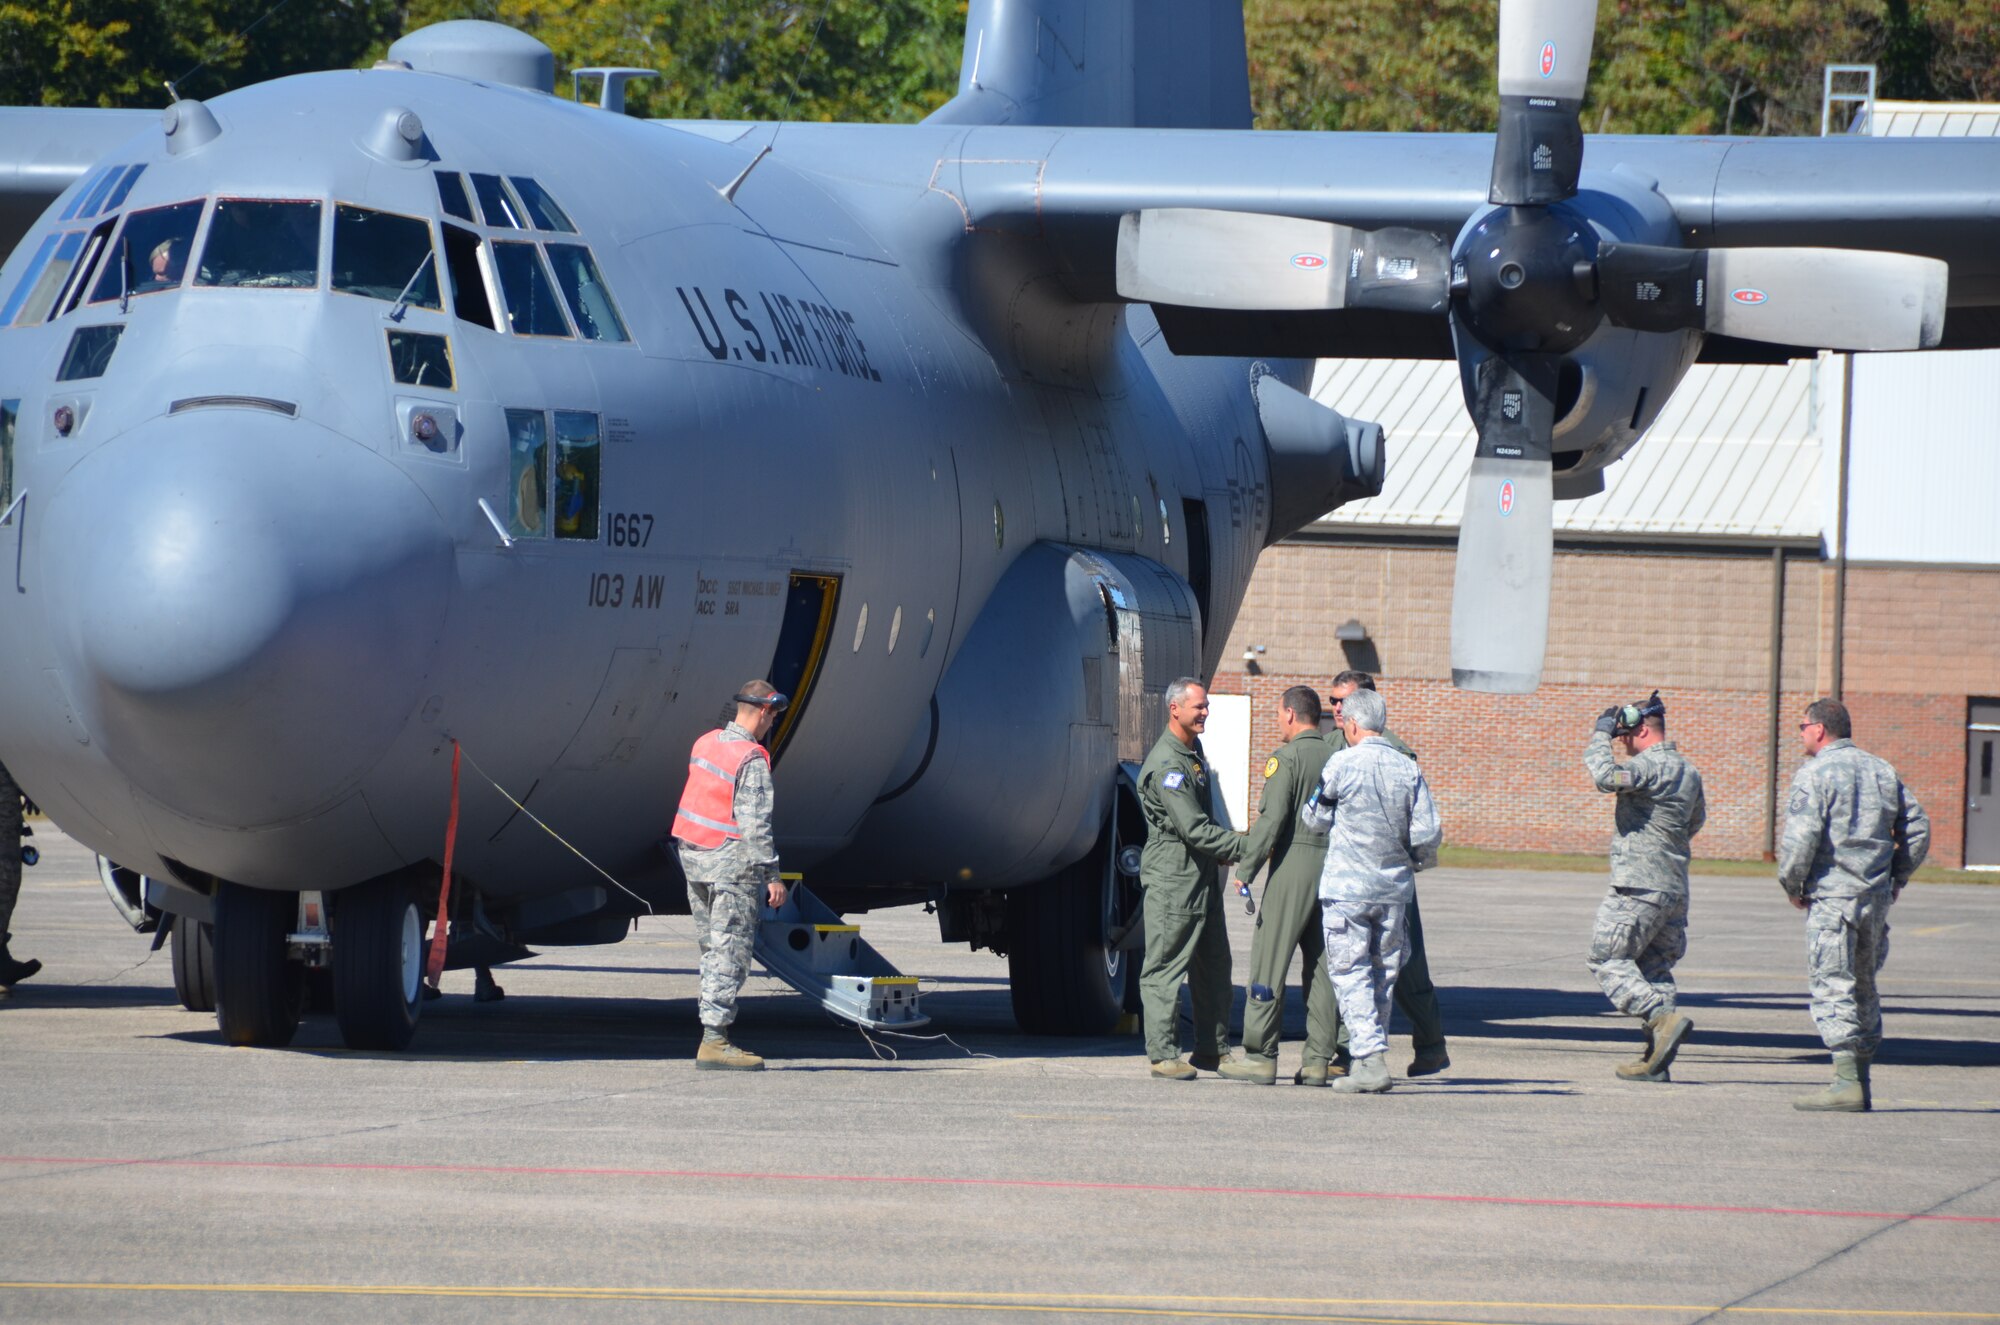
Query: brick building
[1711, 568]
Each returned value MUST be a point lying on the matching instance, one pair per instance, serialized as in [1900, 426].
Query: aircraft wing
[44, 150]
[1937, 198]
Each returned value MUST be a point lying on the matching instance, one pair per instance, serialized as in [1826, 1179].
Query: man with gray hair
[1853, 837]
[1377, 812]
[1180, 870]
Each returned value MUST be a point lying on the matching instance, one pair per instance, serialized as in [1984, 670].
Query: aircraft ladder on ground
[806, 944]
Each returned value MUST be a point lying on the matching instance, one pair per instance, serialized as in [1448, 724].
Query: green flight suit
[1289, 919]
[1416, 997]
[1186, 935]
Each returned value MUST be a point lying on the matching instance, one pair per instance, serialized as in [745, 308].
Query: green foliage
[1658, 66]
[870, 60]
[123, 52]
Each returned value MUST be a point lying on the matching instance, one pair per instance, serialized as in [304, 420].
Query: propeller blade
[1201, 258]
[1830, 298]
[1544, 68]
[1506, 544]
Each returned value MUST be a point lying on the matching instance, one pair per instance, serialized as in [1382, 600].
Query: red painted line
[1048, 1184]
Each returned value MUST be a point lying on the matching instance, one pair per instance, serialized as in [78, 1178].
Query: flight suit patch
[1270, 768]
[1172, 780]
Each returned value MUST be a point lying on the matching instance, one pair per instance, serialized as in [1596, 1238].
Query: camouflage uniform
[1289, 919]
[1186, 934]
[1416, 997]
[1853, 836]
[10, 853]
[726, 887]
[1642, 924]
[1380, 818]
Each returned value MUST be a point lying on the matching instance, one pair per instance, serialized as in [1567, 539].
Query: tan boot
[1256, 1071]
[1312, 1072]
[719, 1055]
[1641, 1068]
[1848, 1093]
[1667, 1028]
[1368, 1076]
[1173, 1069]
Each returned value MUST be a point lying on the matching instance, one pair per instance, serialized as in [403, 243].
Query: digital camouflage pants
[1847, 940]
[10, 850]
[1640, 934]
[1366, 943]
[725, 925]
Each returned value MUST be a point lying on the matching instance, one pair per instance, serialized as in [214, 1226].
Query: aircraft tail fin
[1135, 64]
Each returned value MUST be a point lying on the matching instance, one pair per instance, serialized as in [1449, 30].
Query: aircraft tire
[378, 964]
[1063, 978]
[194, 963]
[256, 985]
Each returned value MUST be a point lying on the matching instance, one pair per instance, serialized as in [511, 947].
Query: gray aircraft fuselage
[253, 609]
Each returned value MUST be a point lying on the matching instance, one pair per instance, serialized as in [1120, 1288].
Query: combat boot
[1847, 1094]
[1666, 1029]
[1368, 1075]
[1257, 1071]
[11, 971]
[717, 1054]
[1312, 1072]
[1172, 1069]
[1430, 1059]
[1640, 1068]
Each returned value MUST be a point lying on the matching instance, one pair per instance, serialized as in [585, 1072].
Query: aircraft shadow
[32, 993]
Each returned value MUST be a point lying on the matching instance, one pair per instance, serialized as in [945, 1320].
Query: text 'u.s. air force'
[778, 329]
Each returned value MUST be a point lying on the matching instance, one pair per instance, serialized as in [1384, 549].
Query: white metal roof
[1734, 454]
[1929, 119]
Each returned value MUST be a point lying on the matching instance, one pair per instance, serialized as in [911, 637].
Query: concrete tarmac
[555, 1154]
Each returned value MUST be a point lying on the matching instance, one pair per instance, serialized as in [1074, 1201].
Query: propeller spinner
[1528, 282]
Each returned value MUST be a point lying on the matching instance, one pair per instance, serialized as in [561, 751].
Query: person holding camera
[1642, 924]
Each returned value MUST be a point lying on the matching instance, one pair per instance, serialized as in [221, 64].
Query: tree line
[1659, 66]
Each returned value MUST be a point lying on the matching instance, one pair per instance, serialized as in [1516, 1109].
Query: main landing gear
[269, 949]
[1073, 946]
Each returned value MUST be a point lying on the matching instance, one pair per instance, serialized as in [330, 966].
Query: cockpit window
[54, 275]
[26, 284]
[468, 278]
[151, 253]
[451, 193]
[93, 249]
[500, 209]
[589, 301]
[89, 352]
[384, 256]
[542, 208]
[532, 308]
[528, 462]
[117, 198]
[10, 414]
[419, 359]
[576, 475]
[261, 245]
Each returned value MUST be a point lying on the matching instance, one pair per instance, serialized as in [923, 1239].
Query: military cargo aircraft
[355, 421]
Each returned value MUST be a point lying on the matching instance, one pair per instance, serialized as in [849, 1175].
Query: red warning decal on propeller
[1507, 497]
[1309, 261]
[1548, 59]
[1748, 296]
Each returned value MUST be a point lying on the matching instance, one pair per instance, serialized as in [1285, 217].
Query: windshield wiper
[403, 299]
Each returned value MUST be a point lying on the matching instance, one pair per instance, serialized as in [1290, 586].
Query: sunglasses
[1804, 725]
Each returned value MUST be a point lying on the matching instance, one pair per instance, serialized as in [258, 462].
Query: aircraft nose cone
[249, 608]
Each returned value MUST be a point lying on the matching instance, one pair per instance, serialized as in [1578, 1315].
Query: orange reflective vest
[707, 814]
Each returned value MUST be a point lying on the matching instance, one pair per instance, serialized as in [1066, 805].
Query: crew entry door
[1982, 801]
[811, 600]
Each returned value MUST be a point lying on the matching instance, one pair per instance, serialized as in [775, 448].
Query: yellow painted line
[893, 979]
[1937, 929]
[838, 929]
[898, 1298]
